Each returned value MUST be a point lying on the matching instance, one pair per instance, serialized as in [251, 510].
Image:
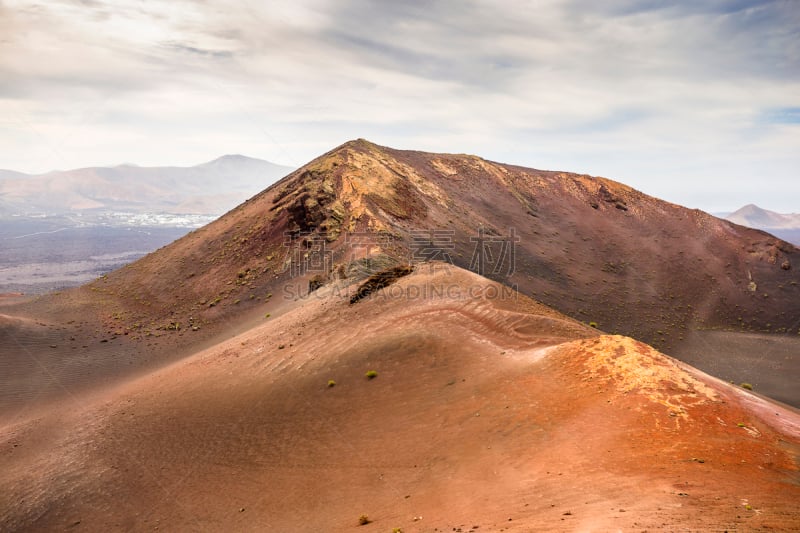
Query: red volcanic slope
[489, 412]
[592, 248]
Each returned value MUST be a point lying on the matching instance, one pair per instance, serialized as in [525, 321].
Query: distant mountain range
[785, 226]
[209, 188]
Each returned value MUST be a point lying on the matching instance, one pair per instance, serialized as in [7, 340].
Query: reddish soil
[594, 249]
[487, 413]
[769, 363]
[190, 390]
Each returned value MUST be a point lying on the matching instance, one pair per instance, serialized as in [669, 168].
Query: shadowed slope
[487, 410]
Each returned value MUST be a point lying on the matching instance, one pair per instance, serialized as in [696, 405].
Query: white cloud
[678, 101]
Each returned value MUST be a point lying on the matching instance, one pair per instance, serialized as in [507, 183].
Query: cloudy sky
[696, 102]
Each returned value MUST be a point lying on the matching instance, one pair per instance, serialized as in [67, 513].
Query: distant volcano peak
[231, 158]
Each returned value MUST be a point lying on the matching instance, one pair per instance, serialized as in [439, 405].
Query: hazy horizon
[718, 212]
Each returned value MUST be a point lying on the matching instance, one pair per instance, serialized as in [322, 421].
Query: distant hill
[208, 188]
[785, 226]
[11, 174]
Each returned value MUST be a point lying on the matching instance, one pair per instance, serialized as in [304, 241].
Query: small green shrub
[371, 374]
[331, 383]
[593, 325]
[746, 386]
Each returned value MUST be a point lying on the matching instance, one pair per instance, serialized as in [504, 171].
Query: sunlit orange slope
[488, 412]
